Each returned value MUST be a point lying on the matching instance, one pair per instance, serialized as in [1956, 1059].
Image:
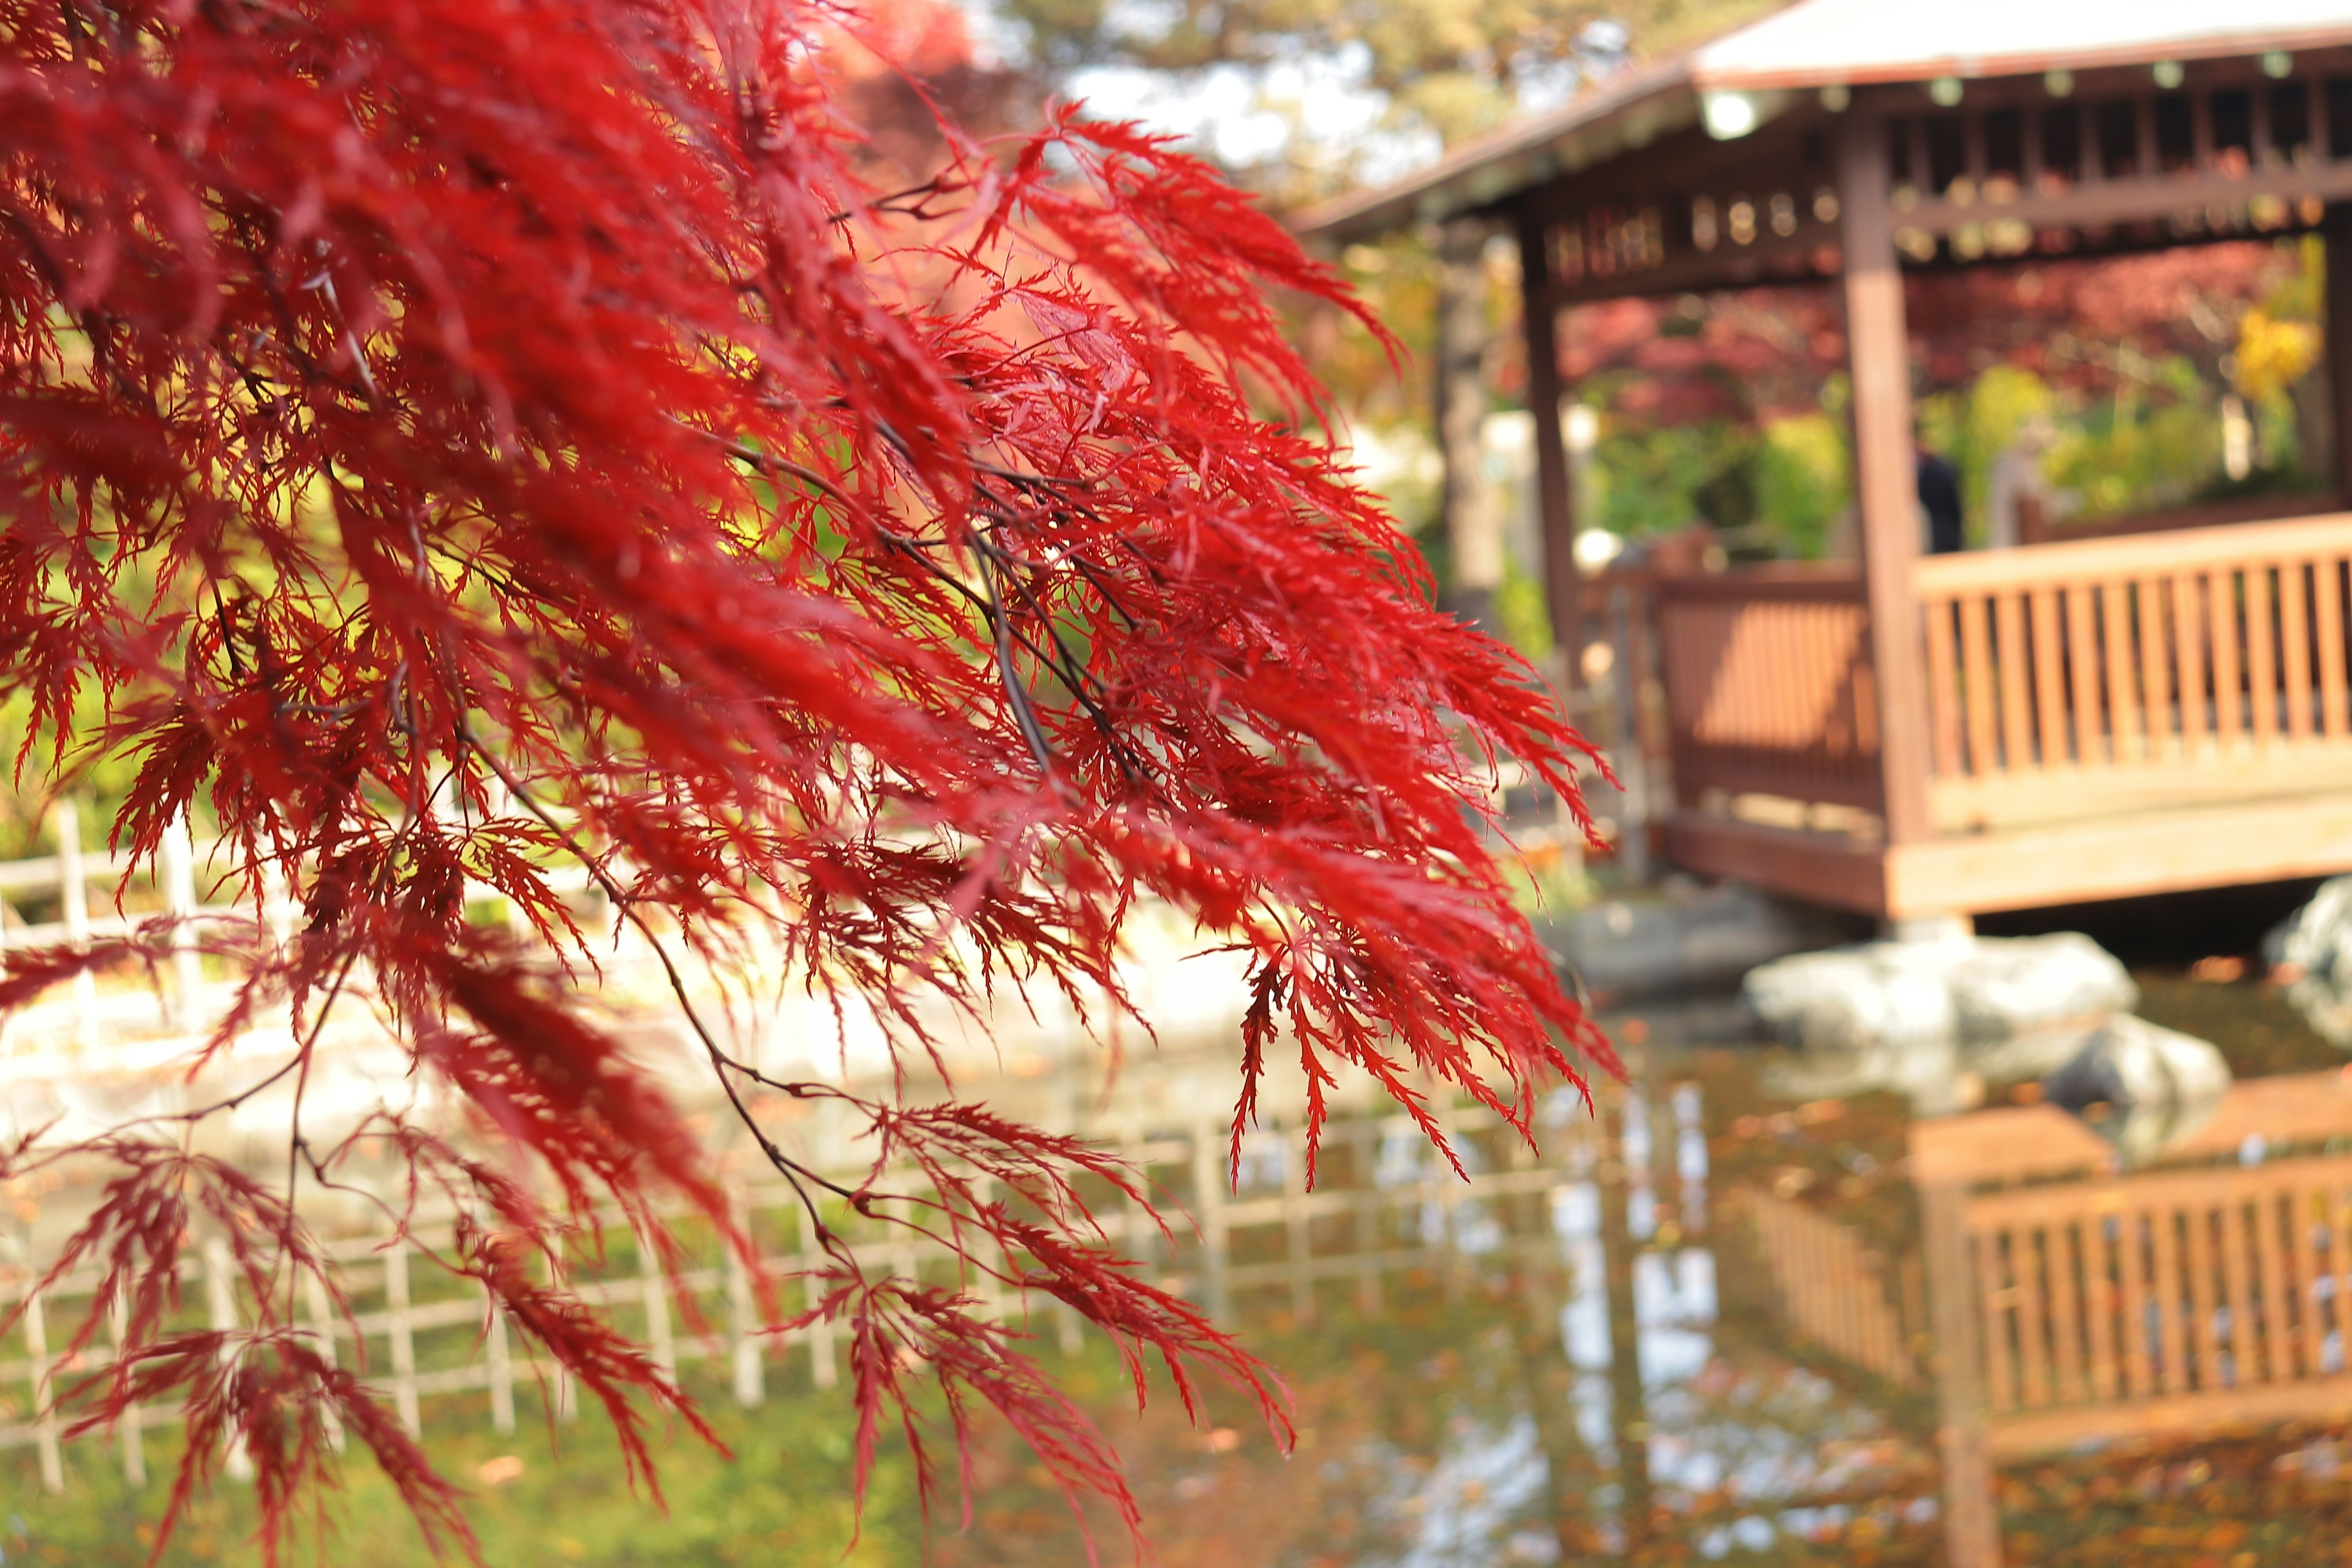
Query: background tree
[1362, 91]
[445, 442]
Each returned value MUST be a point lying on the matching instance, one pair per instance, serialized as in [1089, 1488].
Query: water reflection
[1731, 1319]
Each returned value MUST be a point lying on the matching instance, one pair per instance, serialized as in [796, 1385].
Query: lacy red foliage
[452, 441]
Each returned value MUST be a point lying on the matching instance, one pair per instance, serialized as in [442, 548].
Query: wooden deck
[2104, 717]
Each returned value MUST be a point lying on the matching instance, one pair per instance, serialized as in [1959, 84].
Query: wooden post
[1474, 524]
[1555, 502]
[1972, 1516]
[1628, 1415]
[2336, 230]
[1878, 347]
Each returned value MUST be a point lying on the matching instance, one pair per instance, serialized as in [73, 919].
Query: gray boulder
[1975, 990]
[2313, 949]
[2158, 1085]
[1855, 998]
[2007, 987]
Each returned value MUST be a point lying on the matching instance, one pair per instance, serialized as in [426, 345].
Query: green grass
[784, 1501]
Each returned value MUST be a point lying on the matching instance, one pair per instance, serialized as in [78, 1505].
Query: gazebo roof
[1818, 44]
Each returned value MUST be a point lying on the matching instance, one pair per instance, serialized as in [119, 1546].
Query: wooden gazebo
[1950, 735]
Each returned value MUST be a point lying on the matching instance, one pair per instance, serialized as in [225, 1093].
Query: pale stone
[2158, 1084]
[1949, 986]
[2013, 986]
[2314, 947]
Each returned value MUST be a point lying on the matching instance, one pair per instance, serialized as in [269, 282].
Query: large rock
[2018, 985]
[1976, 990]
[2314, 947]
[2156, 1084]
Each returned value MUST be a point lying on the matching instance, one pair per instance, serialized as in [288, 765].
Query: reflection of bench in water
[2173, 1300]
[1833, 1285]
[2075, 1302]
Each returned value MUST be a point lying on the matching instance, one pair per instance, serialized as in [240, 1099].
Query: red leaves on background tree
[454, 441]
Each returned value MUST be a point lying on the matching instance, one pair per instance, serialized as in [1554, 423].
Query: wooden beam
[2323, 1402]
[1473, 521]
[2336, 230]
[1878, 345]
[1831, 869]
[2222, 845]
[2129, 198]
[1555, 498]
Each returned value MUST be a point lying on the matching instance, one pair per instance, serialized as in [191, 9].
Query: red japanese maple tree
[458, 441]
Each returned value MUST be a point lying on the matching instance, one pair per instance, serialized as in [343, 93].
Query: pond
[1747, 1313]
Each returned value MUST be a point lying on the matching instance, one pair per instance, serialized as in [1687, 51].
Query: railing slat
[2066, 1309]
[2277, 1288]
[2131, 1260]
[2295, 639]
[2122, 698]
[2304, 1258]
[2016, 718]
[2262, 654]
[2050, 679]
[2099, 1288]
[2201, 1296]
[1992, 1273]
[2092, 740]
[1976, 683]
[2228, 676]
[2027, 1256]
[2328, 589]
[2237, 1273]
[2171, 1370]
[2155, 640]
[1943, 687]
[2189, 624]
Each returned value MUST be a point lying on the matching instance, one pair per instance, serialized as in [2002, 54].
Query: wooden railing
[2067, 680]
[2202, 1294]
[1769, 686]
[1833, 1285]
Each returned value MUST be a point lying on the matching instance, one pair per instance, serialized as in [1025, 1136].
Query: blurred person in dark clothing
[1939, 502]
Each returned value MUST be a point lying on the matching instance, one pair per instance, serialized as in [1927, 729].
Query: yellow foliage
[2273, 354]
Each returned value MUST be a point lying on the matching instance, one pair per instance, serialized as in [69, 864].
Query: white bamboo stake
[73, 893]
[220, 1299]
[322, 1323]
[501, 1361]
[404, 1337]
[742, 1319]
[180, 897]
[656, 1298]
[820, 1333]
[127, 1425]
[45, 1418]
